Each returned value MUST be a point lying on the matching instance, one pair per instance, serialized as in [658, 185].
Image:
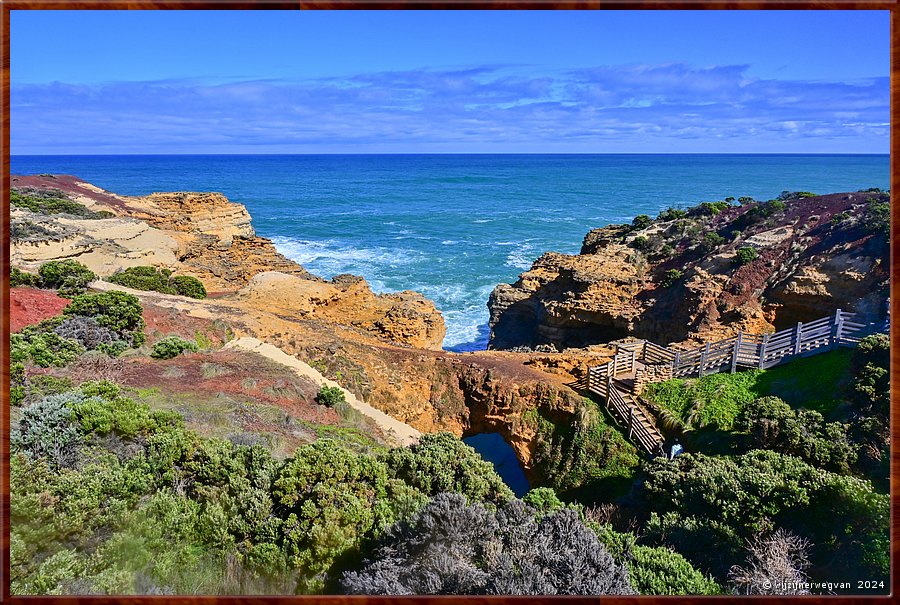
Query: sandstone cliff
[211, 238]
[678, 278]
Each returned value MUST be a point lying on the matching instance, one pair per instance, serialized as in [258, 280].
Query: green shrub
[662, 571]
[793, 195]
[641, 221]
[19, 278]
[711, 241]
[330, 396]
[143, 278]
[116, 310]
[47, 430]
[584, 457]
[671, 214]
[709, 208]
[333, 500]
[69, 277]
[185, 285]
[670, 277]
[43, 347]
[543, 500]
[870, 388]
[48, 201]
[744, 255]
[172, 346]
[877, 216]
[158, 280]
[441, 462]
[640, 243]
[17, 383]
[706, 507]
[771, 424]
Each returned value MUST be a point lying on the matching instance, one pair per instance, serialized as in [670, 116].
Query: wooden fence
[757, 350]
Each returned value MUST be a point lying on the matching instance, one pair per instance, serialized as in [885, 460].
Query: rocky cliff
[211, 238]
[704, 273]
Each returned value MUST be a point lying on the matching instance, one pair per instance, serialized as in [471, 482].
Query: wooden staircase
[614, 381]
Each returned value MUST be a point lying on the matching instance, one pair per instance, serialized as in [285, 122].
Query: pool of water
[498, 452]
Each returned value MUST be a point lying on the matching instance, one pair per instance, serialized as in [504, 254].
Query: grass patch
[714, 401]
[815, 383]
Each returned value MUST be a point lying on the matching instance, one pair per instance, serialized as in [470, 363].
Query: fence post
[633, 364]
[762, 352]
[838, 328]
[630, 421]
[798, 331]
[703, 356]
[608, 388]
[737, 347]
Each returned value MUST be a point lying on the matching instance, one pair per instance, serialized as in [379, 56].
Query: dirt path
[398, 431]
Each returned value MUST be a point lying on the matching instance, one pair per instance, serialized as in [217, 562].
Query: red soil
[66, 183]
[28, 306]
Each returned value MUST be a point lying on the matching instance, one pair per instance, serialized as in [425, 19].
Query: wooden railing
[744, 350]
[758, 350]
[625, 414]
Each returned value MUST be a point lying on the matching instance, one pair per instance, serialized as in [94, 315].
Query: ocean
[455, 226]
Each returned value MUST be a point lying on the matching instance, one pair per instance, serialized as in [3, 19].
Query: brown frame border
[7, 5]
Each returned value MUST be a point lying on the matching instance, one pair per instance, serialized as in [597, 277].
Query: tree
[450, 547]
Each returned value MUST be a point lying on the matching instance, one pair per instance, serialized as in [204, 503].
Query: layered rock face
[679, 279]
[209, 237]
[404, 317]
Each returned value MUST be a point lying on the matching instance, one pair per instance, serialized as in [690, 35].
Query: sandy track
[397, 431]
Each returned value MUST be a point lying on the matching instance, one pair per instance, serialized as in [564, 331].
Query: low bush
[88, 332]
[877, 216]
[711, 241]
[158, 280]
[451, 547]
[41, 346]
[671, 214]
[19, 278]
[640, 243]
[670, 277]
[330, 396]
[793, 195]
[771, 424]
[440, 462]
[25, 230]
[118, 311]
[744, 255]
[49, 201]
[47, 430]
[185, 285]
[708, 208]
[68, 276]
[172, 346]
[641, 221]
[143, 278]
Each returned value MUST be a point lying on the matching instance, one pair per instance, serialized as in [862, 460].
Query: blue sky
[94, 82]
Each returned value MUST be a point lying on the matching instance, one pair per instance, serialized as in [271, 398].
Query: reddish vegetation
[66, 183]
[163, 321]
[230, 373]
[28, 306]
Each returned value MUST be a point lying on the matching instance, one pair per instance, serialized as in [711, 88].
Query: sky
[166, 82]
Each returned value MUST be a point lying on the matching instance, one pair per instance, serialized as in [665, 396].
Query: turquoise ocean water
[454, 226]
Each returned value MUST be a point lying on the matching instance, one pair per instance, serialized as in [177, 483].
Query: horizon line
[457, 153]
